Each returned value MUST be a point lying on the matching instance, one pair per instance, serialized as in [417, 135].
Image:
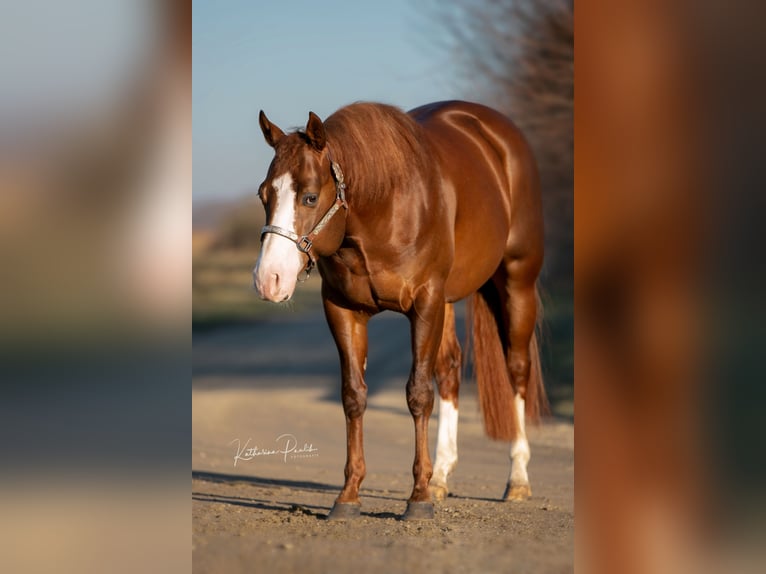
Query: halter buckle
[304, 244]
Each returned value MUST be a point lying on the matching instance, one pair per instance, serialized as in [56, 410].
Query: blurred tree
[518, 56]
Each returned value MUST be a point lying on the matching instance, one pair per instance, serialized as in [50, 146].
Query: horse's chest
[348, 275]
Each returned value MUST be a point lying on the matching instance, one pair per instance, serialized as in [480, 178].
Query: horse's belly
[481, 232]
[471, 271]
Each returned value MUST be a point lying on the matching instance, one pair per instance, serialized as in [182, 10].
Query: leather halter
[304, 243]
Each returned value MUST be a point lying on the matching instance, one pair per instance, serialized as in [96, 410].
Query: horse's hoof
[345, 511]
[517, 492]
[438, 491]
[419, 511]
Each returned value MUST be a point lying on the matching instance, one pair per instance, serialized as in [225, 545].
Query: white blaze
[279, 262]
[519, 448]
[446, 444]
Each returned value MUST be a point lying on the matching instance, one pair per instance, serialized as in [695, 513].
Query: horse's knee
[354, 400]
[420, 395]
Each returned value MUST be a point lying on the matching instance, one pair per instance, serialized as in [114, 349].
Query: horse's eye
[310, 200]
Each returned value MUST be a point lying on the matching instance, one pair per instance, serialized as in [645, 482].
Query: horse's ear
[315, 132]
[270, 131]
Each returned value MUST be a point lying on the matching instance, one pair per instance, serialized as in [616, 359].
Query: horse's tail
[496, 392]
[537, 404]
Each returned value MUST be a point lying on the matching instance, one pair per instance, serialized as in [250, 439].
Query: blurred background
[95, 252]
[668, 274]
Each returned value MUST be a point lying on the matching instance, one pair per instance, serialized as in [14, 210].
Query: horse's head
[305, 208]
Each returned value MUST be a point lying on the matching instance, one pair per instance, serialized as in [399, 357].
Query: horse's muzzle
[272, 286]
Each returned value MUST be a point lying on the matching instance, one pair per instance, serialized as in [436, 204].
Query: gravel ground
[254, 384]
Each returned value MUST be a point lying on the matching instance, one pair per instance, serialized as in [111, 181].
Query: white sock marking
[446, 444]
[519, 451]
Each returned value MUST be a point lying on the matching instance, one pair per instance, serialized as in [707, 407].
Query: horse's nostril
[276, 280]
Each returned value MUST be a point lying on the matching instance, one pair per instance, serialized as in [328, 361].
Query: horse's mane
[379, 148]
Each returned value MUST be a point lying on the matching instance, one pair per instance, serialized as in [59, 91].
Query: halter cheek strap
[304, 243]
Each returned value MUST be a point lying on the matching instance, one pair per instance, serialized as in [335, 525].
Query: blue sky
[288, 57]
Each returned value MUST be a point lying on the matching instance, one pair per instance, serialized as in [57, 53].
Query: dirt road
[262, 389]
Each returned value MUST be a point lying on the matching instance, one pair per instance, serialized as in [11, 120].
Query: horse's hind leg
[519, 303]
[447, 372]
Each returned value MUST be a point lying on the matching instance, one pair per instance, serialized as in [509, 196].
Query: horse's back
[491, 183]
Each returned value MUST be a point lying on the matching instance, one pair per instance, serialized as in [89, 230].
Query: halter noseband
[304, 243]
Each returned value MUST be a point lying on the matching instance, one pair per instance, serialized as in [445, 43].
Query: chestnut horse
[411, 212]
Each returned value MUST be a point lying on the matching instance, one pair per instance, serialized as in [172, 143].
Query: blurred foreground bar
[669, 321]
[95, 261]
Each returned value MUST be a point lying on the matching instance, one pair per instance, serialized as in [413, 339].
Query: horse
[412, 212]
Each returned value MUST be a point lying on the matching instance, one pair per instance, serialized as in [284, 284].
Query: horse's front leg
[427, 322]
[349, 329]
